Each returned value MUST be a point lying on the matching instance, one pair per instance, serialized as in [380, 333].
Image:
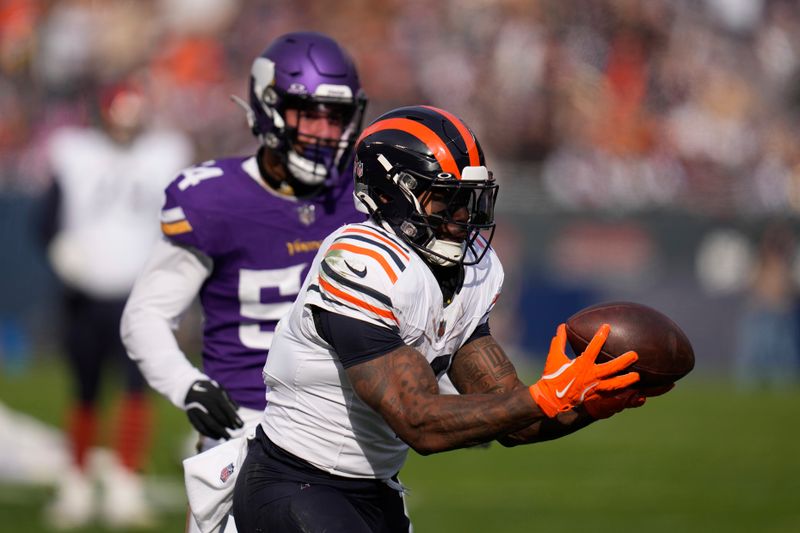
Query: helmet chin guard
[306, 171]
[441, 252]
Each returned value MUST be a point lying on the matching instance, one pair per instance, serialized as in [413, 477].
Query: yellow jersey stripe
[176, 228]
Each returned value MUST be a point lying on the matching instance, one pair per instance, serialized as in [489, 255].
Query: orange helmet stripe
[434, 143]
[469, 139]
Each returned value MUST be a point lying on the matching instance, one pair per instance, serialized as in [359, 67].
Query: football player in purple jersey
[241, 233]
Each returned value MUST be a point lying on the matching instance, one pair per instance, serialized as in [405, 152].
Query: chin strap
[444, 253]
[364, 204]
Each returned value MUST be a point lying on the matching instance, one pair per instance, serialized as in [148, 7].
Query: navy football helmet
[421, 171]
[310, 73]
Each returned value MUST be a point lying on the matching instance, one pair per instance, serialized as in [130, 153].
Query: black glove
[210, 409]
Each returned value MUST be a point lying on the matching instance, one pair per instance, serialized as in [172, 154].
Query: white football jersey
[367, 273]
[111, 195]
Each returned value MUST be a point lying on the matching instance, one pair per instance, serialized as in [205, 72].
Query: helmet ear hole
[407, 180]
[409, 229]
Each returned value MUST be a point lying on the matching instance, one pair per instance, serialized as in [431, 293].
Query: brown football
[665, 353]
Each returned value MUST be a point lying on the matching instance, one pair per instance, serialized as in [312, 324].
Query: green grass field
[702, 458]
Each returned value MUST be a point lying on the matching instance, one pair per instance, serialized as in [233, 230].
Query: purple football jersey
[262, 245]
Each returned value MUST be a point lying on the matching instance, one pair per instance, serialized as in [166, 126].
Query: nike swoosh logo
[199, 388]
[360, 273]
[560, 393]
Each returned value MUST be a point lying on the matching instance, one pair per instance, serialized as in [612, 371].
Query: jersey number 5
[287, 280]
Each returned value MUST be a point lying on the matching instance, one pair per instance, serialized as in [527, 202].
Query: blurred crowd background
[646, 150]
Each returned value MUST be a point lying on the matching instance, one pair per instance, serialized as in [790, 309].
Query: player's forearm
[150, 342]
[543, 429]
[165, 289]
[403, 389]
[450, 422]
[483, 367]
[548, 428]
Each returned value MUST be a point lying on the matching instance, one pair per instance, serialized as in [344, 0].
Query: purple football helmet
[310, 73]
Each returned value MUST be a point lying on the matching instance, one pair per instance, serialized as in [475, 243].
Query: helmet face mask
[449, 216]
[315, 137]
[301, 79]
[430, 185]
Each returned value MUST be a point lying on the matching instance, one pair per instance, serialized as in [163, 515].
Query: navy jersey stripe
[388, 235]
[382, 298]
[326, 298]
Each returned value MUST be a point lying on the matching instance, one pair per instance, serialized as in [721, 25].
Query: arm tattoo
[402, 388]
[483, 367]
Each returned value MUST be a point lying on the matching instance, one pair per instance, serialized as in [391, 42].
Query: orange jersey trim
[176, 228]
[370, 253]
[355, 301]
[380, 238]
[469, 140]
[424, 134]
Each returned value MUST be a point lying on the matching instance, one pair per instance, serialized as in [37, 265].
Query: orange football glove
[566, 382]
[601, 405]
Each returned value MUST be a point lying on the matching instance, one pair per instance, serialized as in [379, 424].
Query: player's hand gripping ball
[567, 382]
[665, 353]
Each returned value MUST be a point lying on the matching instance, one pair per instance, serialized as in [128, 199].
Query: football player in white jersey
[389, 307]
[108, 187]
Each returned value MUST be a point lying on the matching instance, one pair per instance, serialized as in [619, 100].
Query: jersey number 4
[251, 282]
